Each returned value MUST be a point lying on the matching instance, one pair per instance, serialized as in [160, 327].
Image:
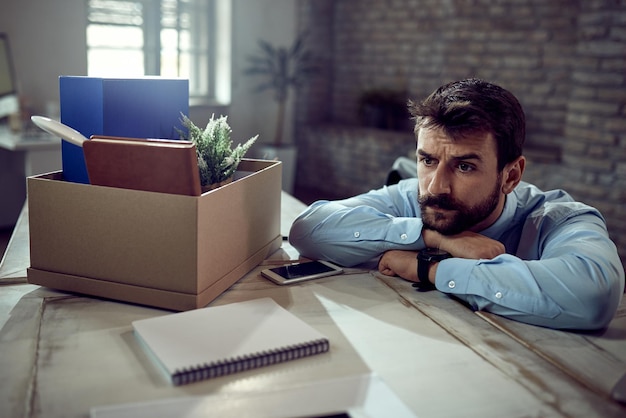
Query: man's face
[459, 183]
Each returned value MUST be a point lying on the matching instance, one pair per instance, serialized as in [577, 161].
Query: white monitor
[9, 102]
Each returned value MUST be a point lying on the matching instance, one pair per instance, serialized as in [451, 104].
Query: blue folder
[147, 107]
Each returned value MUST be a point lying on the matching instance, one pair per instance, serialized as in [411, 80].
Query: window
[170, 38]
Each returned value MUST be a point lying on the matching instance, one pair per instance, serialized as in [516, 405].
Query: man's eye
[427, 161]
[465, 168]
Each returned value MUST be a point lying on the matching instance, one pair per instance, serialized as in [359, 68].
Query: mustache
[443, 201]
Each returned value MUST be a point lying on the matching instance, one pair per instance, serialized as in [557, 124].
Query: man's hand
[399, 263]
[464, 245]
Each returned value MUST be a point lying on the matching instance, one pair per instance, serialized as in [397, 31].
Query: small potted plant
[384, 109]
[217, 160]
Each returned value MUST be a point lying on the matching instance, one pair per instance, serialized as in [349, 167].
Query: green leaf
[217, 160]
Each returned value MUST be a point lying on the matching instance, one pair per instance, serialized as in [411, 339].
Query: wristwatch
[425, 258]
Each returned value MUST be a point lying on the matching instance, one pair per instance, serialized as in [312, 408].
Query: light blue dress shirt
[560, 269]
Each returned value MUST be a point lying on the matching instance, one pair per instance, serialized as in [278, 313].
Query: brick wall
[564, 59]
[350, 160]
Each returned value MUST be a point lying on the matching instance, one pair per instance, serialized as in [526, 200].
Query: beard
[448, 216]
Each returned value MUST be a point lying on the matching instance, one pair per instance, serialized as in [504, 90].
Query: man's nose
[439, 182]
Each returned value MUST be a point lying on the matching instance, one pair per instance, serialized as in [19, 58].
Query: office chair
[402, 168]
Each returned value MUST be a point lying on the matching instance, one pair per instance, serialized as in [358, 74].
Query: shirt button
[451, 284]
[357, 234]
[403, 236]
[498, 295]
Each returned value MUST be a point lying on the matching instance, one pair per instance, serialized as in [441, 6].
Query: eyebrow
[470, 156]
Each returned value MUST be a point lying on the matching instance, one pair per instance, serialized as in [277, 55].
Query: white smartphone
[299, 272]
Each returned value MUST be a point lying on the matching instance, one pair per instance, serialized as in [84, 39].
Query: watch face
[434, 252]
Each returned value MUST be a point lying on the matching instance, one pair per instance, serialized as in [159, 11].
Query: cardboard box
[165, 250]
[143, 107]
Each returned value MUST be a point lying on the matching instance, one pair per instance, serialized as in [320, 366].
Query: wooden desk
[62, 354]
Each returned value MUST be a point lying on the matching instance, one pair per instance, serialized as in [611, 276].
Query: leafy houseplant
[281, 69]
[217, 160]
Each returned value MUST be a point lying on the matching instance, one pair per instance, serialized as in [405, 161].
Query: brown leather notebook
[153, 165]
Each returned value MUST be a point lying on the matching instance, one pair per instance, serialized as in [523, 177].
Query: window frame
[209, 49]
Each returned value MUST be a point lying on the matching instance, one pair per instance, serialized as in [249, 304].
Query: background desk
[62, 354]
[22, 155]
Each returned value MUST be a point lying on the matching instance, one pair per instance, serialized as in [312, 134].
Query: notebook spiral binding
[239, 364]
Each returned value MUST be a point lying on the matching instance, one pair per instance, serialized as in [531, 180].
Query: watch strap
[423, 266]
[425, 258]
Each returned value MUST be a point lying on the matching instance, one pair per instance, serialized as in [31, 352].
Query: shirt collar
[508, 212]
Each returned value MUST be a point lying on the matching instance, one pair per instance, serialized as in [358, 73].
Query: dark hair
[473, 106]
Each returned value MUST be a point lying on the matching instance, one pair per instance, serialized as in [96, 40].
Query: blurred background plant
[281, 70]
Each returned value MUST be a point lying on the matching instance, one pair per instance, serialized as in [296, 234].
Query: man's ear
[512, 174]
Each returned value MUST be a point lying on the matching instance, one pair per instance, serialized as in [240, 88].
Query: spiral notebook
[211, 342]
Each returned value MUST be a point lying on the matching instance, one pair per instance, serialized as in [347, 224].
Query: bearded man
[470, 227]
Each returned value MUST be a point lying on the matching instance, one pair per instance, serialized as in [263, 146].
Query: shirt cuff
[453, 275]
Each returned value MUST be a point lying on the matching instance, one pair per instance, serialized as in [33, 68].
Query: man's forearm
[464, 245]
[351, 235]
